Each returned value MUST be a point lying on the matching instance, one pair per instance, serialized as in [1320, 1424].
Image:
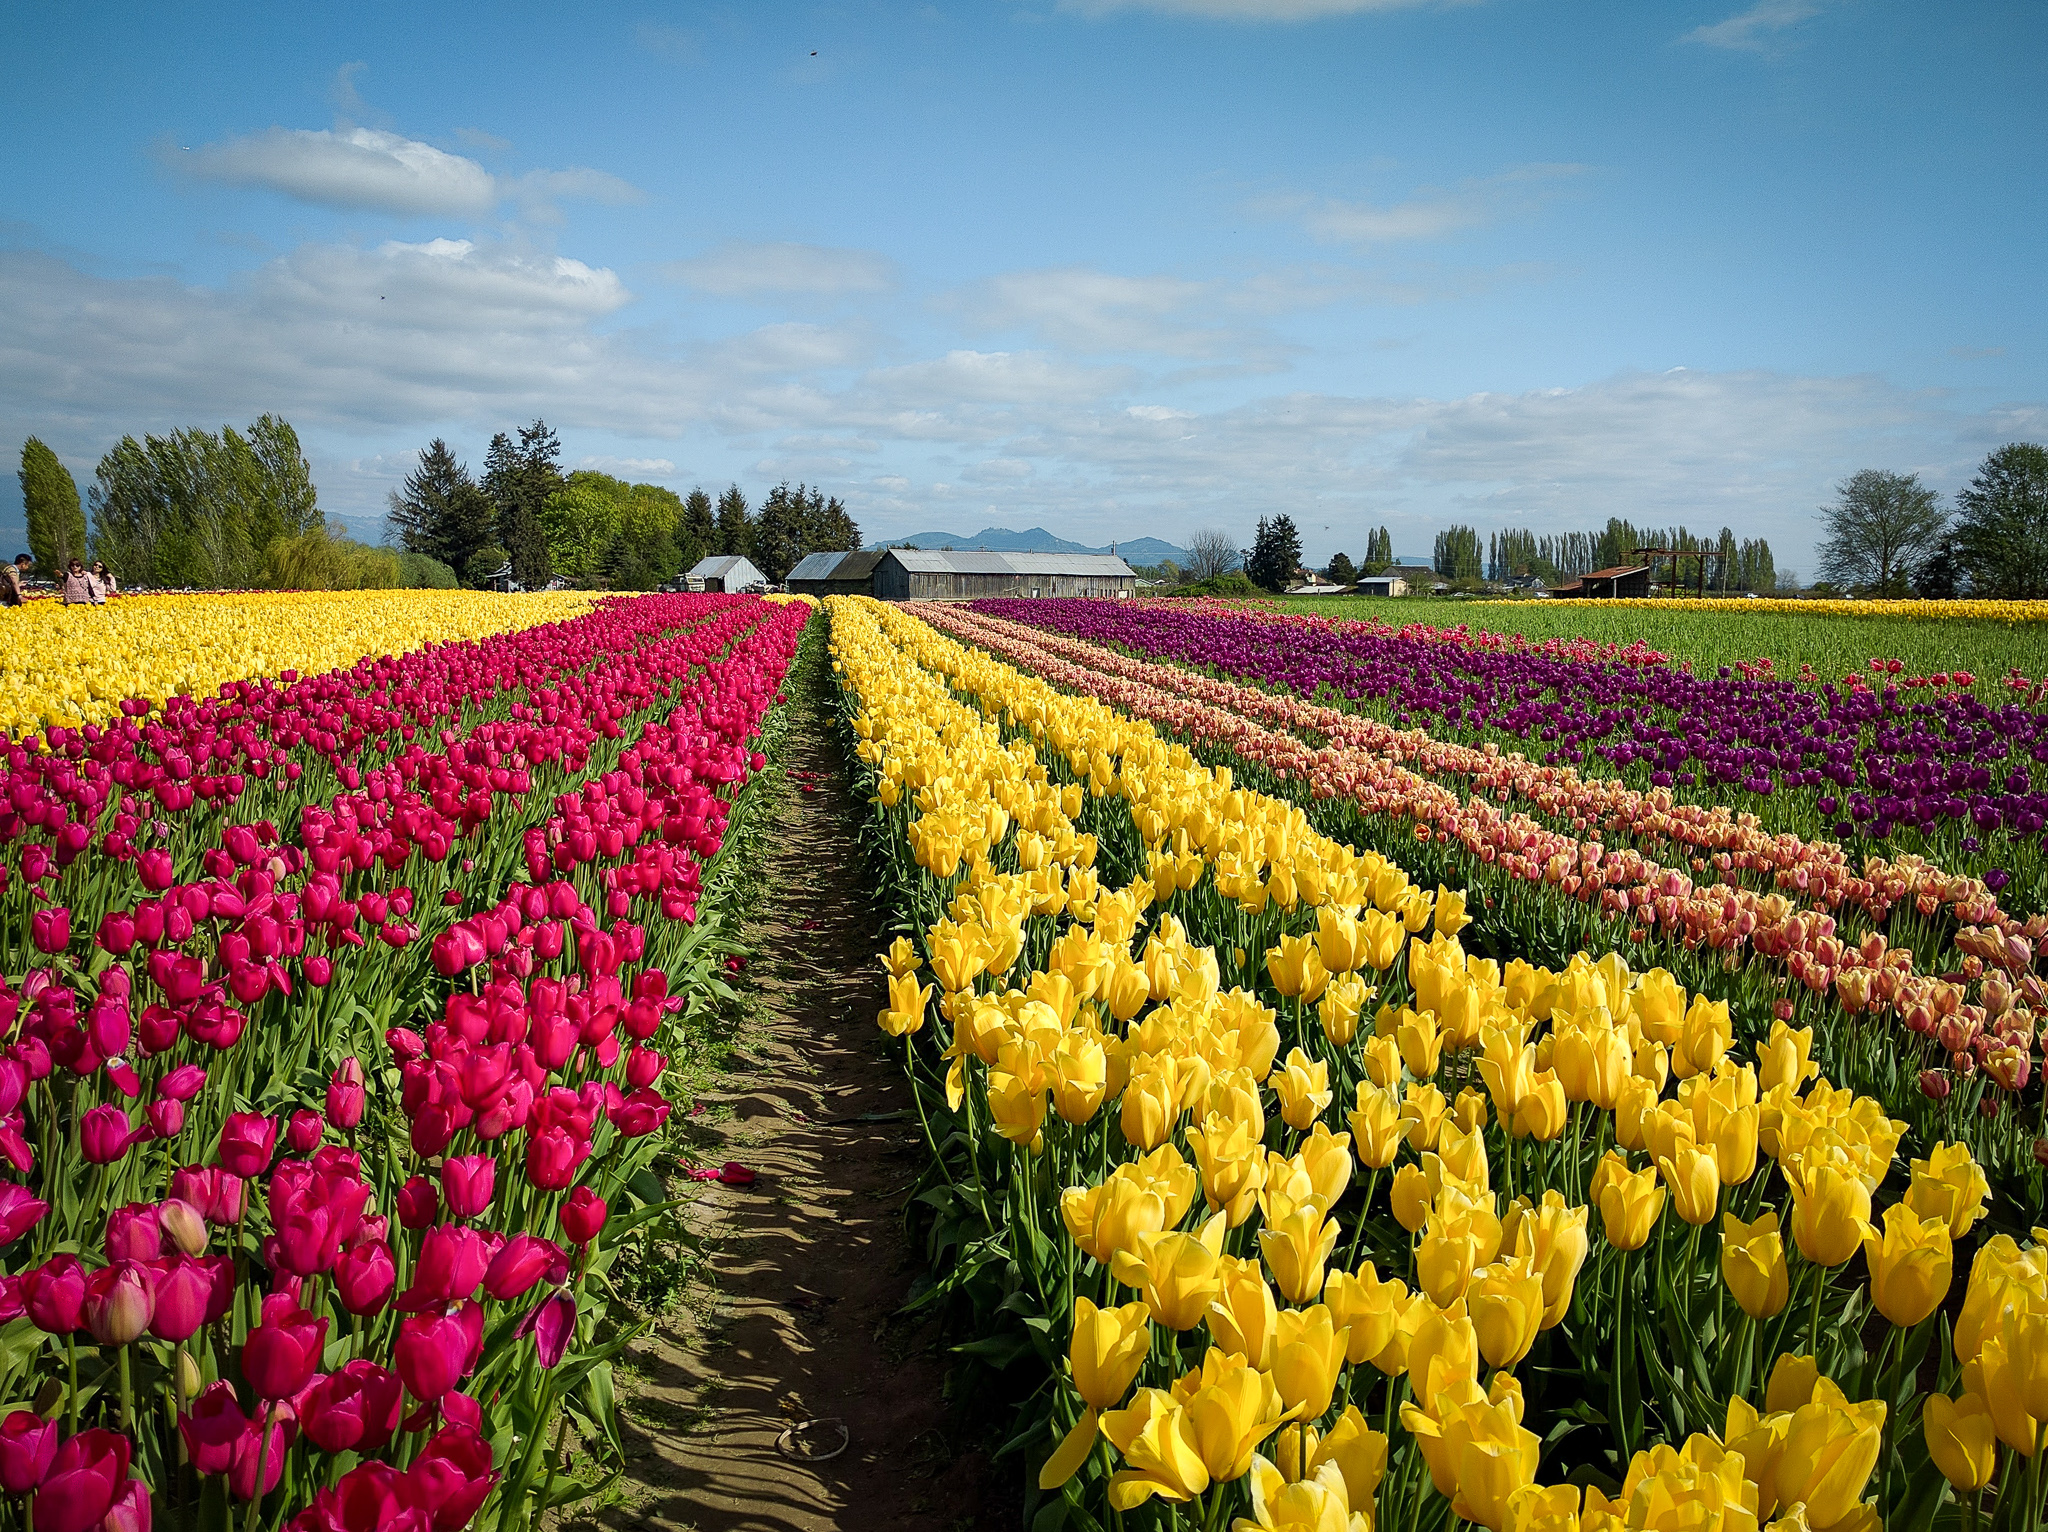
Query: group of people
[80, 586]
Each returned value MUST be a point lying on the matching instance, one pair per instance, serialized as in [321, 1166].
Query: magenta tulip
[247, 1142]
[133, 1233]
[283, 1352]
[119, 1302]
[105, 1134]
[583, 1215]
[212, 1426]
[50, 930]
[87, 1475]
[347, 1097]
[467, 1182]
[418, 1203]
[352, 1409]
[525, 1259]
[251, 1450]
[365, 1278]
[20, 1211]
[434, 1350]
[53, 1294]
[453, 1476]
[28, 1443]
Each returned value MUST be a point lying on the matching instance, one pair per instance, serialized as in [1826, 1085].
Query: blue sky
[1113, 267]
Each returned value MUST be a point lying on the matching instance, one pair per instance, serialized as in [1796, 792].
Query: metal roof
[816, 566]
[718, 566]
[1617, 571]
[981, 561]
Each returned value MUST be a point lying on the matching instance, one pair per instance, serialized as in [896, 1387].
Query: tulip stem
[262, 1454]
[127, 1391]
[71, 1402]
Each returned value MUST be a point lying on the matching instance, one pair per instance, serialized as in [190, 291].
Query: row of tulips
[1572, 1218]
[69, 666]
[1958, 773]
[400, 1075]
[1937, 1047]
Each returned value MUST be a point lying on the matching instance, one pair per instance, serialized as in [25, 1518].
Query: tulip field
[343, 939]
[1378, 1079]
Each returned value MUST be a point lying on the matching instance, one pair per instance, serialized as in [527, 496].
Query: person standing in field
[80, 588]
[11, 576]
[109, 586]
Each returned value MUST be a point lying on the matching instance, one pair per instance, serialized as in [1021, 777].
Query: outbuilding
[835, 574]
[724, 572]
[943, 574]
[1381, 585]
[1622, 582]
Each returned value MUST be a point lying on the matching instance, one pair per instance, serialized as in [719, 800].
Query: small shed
[922, 574]
[1382, 585]
[835, 574]
[724, 572]
[1623, 581]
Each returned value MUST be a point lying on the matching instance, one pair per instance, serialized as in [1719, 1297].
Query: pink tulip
[371, 1497]
[20, 1211]
[190, 1293]
[247, 1142]
[552, 1324]
[119, 1302]
[87, 1475]
[553, 1157]
[583, 1215]
[434, 1350]
[347, 1096]
[212, 1427]
[365, 1278]
[418, 1203]
[352, 1409]
[452, 1262]
[283, 1352]
[53, 1294]
[182, 1083]
[453, 1477]
[251, 1450]
[639, 1114]
[184, 1224]
[467, 1183]
[525, 1259]
[50, 929]
[28, 1444]
[156, 870]
[105, 1134]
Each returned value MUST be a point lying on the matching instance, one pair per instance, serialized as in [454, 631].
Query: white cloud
[984, 377]
[367, 169]
[743, 269]
[1756, 29]
[1242, 10]
[1433, 212]
[630, 467]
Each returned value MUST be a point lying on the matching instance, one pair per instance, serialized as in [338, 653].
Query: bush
[1234, 582]
[484, 563]
[418, 572]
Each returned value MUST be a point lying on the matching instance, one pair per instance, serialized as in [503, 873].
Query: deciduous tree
[1880, 527]
[2002, 526]
[56, 521]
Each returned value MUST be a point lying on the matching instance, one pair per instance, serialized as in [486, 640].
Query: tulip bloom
[1309, 1350]
[355, 1408]
[1105, 1353]
[365, 1278]
[1911, 1265]
[524, 1260]
[1829, 1451]
[104, 1134]
[1507, 1309]
[1961, 1440]
[53, 1294]
[20, 1211]
[467, 1184]
[1753, 1263]
[1178, 1273]
[189, 1294]
[434, 1350]
[247, 1142]
[452, 1477]
[347, 1096]
[1629, 1204]
[87, 1475]
[28, 1445]
[583, 1215]
[283, 1352]
[1157, 1443]
[1830, 1212]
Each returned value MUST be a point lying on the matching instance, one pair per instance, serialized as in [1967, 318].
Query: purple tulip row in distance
[1875, 760]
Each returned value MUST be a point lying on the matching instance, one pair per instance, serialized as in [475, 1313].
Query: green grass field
[1830, 640]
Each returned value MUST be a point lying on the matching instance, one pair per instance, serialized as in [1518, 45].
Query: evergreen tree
[439, 511]
[519, 479]
[2002, 524]
[56, 523]
[1341, 571]
[698, 532]
[1275, 553]
[735, 532]
[778, 540]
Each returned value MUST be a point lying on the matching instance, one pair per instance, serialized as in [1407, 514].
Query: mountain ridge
[1138, 550]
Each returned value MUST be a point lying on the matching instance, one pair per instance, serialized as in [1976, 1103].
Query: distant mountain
[1139, 550]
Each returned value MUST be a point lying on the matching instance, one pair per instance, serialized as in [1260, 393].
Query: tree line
[1888, 535]
[194, 509]
[527, 521]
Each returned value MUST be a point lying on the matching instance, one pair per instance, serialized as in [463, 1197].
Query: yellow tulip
[1296, 1246]
[1113, 1216]
[1753, 1263]
[1303, 1086]
[1629, 1204]
[1462, 1153]
[1443, 1352]
[1534, 1508]
[1376, 1126]
[1704, 1038]
[1756, 1437]
[1828, 1453]
[1695, 1183]
[1445, 1259]
[1107, 1350]
[1912, 1264]
[1379, 939]
[1151, 1106]
[2023, 1332]
[905, 1011]
[1543, 1113]
[1382, 1062]
[1367, 1308]
[1423, 1110]
[1949, 1185]
[1699, 1485]
[1478, 1454]
[1327, 1157]
[1080, 1077]
[1830, 1211]
[1157, 1442]
[1179, 1274]
[1233, 1166]
[1791, 1383]
[1233, 1408]
[1318, 1502]
[1354, 1449]
[1295, 968]
[1241, 1317]
[1124, 989]
[1992, 1376]
[1961, 1440]
[1421, 1044]
[1724, 1118]
[1450, 916]
[1552, 1239]
[1508, 1066]
[1506, 1305]
[1787, 1058]
[1411, 1197]
[901, 958]
[1634, 1107]
[1017, 1109]
[1338, 1010]
[1591, 1061]
[1338, 941]
[1173, 1178]
[1308, 1353]
[1659, 1003]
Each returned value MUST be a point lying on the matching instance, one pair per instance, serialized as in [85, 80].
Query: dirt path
[794, 1319]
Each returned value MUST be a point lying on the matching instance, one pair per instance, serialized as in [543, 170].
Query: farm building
[724, 573]
[835, 574]
[922, 574]
[1382, 585]
[1622, 581]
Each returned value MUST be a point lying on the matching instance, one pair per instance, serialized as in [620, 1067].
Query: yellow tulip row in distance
[1132, 1080]
[75, 665]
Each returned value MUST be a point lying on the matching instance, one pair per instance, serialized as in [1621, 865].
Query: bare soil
[788, 1331]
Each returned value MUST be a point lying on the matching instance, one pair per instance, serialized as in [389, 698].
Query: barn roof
[982, 561]
[718, 566]
[1617, 571]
